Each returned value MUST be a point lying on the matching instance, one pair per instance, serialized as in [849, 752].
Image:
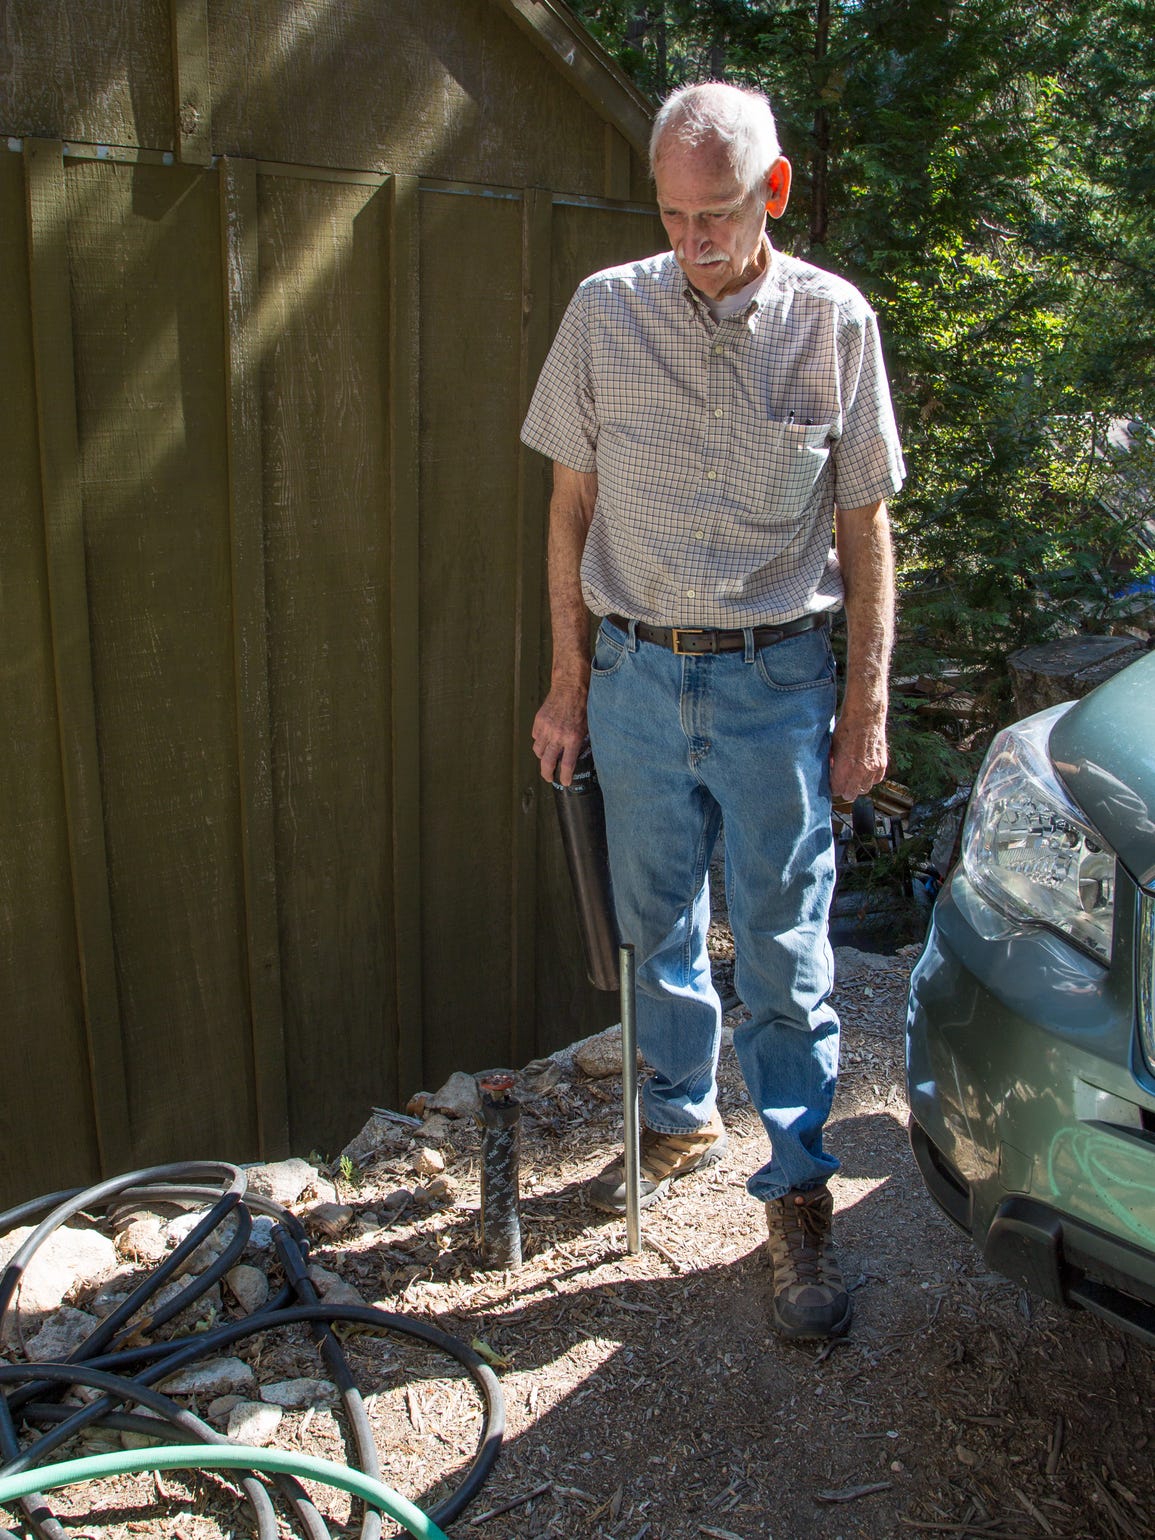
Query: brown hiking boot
[809, 1298]
[664, 1158]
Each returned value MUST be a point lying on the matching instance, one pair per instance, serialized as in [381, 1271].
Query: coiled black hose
[125, 1374]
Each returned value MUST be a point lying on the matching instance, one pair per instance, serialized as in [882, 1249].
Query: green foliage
[922, 757]
[984, 170]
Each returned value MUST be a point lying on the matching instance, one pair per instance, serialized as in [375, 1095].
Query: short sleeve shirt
[721, 448]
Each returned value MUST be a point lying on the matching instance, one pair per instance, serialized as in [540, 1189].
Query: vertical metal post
[630, 1125]
[500, 1159]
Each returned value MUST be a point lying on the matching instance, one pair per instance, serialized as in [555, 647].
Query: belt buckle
[676, 633]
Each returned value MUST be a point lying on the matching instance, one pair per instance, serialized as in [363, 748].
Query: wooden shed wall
[272, 619]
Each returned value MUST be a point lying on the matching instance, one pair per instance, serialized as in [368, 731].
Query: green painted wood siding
[272, 591]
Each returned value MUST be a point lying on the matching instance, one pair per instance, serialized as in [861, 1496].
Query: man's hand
[559, 730]
[857, 755]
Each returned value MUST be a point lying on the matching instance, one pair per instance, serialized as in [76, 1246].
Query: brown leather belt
[679, 639]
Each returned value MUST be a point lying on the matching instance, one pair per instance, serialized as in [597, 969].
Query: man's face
[714, 225]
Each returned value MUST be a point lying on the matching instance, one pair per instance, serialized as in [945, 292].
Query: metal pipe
[582, 817]
[630, 1123]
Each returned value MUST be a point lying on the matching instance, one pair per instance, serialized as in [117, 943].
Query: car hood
[1104, 750]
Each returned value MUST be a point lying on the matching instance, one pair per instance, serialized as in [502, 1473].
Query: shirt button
[699, 534]
[718, 411]
[711, 475]
[689, 593]
[718, 348]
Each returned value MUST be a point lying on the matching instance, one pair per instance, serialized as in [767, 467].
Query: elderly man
[713, 414]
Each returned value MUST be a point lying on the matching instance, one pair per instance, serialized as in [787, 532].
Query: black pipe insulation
[124, 1374]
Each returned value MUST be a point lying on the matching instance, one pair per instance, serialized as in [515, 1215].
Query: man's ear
[778, 188]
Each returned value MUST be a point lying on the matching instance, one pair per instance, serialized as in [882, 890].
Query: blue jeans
[681, 744]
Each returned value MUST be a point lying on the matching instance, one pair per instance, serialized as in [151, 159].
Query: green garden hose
[223, 1457]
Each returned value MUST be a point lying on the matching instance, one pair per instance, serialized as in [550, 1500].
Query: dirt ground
[648, 1397]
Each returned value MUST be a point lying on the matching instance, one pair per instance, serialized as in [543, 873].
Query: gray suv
[1031, 1021]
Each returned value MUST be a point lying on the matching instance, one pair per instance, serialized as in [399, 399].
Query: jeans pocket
[609, 653]
[804, 662]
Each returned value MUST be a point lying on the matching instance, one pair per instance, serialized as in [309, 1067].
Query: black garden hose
[125, 1373]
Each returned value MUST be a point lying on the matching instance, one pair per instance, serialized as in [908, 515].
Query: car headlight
[1029, 850]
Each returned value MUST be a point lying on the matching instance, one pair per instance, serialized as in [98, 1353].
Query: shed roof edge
[581, 59]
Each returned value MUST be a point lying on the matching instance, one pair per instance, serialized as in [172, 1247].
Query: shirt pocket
[793, 456]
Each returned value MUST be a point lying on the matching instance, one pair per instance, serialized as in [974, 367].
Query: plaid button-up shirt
[720, 448]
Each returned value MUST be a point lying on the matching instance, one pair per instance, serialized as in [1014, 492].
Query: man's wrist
[872, 706]
[571, 676]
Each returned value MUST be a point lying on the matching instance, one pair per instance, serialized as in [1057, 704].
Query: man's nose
[697, 236]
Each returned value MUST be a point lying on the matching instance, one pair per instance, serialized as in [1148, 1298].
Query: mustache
[705, 261]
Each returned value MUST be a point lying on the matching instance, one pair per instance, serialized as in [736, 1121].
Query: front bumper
[1033, 1113]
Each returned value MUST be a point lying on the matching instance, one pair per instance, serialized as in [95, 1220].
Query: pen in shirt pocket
[802, 422]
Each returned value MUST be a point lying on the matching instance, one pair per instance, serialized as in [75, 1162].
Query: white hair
[740, 120]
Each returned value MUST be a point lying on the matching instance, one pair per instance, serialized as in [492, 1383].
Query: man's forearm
[560, 724]
[571, 509]
[866, 557]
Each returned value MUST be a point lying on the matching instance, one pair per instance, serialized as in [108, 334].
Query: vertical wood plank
[617, 184]
[192, 88]
[45, 1050]
[530, 793]
[405, 658]
[72, 657]
[238, 188]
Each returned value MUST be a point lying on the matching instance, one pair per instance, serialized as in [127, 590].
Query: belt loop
[748, 648]
[633, 630]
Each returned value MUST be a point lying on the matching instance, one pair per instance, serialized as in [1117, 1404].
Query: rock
[254, 1422]
[143, 1239]
[215, 1377]
[68, 1261]
[458, 1097]
[109, 1297]
[285, 1181]
[342, 1293]
[435, 1128]
[261, 1238]
[99, 1441]
[850, 963]
[332, 1287]
[441, 1189]
[541, 1076]
[222, 1406]
[61, 1335]
[417, 1104]
[380, 1135]
[144, 1440]
[426, 1161]
[331, 1219]
[206, 1304]
[601, 1055]
[397, 1200]
[180, 1228]
[297, 1394]
[368, 1223]
[249, 1287]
